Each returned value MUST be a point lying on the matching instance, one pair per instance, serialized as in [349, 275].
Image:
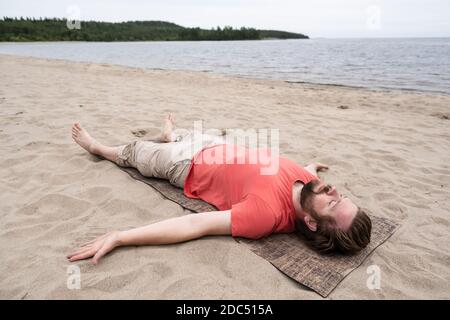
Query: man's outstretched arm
[175, 230]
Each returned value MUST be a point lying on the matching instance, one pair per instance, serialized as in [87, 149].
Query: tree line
[56, 29]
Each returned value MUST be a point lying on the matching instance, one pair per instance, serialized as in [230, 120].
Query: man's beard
[307, 194]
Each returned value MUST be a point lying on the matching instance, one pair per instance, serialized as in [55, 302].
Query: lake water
[411, 64]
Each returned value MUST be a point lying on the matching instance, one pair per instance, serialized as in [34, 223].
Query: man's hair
[330, 238]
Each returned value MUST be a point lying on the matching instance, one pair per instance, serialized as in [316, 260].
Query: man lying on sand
[251, 205]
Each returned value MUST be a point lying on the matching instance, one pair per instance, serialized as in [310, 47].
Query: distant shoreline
[55, 29]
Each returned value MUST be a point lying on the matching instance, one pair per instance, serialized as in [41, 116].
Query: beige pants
[169, 160]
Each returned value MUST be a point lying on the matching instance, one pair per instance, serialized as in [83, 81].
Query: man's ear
[311, 223]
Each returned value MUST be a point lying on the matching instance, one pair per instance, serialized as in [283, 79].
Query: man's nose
[332, 190]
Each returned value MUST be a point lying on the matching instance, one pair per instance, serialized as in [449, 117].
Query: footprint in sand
[441, 115]
[384, 196]
[139, 132]
[54, 207]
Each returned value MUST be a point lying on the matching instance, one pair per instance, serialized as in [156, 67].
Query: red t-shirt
[260, 204]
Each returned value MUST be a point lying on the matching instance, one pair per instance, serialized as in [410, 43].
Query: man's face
[327, 201]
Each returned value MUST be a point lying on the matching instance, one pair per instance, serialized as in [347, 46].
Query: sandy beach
[387, 150]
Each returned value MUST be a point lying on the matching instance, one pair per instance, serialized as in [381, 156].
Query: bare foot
[166, 134]
[84, 139]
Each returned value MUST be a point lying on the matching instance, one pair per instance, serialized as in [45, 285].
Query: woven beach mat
[286, 251]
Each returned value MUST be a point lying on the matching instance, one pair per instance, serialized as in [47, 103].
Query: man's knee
[126, 156]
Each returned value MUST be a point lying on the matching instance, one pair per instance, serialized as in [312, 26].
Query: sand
[387, 150]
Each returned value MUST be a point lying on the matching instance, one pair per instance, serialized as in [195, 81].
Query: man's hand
[320, 166]
[316, 167]
[96, 248]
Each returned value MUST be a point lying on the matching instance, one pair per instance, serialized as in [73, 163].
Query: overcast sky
[316, 18]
